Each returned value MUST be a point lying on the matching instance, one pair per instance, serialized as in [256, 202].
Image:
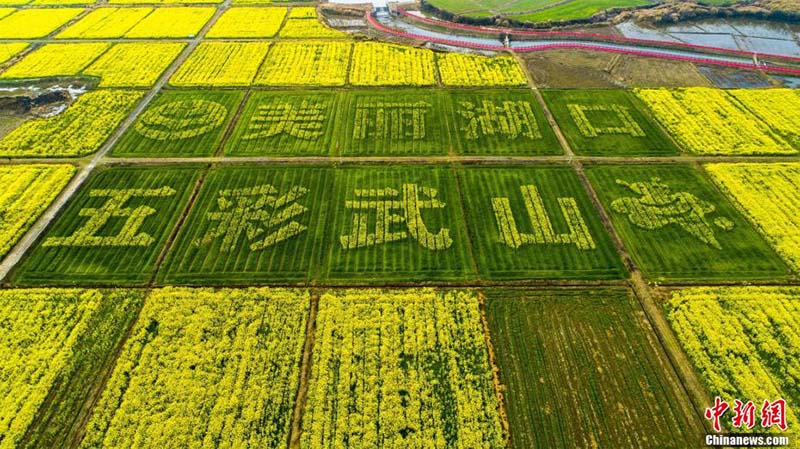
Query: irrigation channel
[418, 26]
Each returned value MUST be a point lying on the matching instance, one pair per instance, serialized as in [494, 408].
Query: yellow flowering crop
[43, 330]
[221, 64]
[172, 22]
[769, 195]
[6, 11]
[779, 108]
[305, 63]
[27, 191]
[377, 64]
[309, 28]
[56, 60]
[303, 12]
[79, 130]
[163, 2]
[105, 23]
[391, 357]
[709, 121]
[458, 69]
[14, 2]
[8, 51]
[248, 22]
[205, 368]
[61, 2]
[743, 341]
[134, 64]
[35, 23]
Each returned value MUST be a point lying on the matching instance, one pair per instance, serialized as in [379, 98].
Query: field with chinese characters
[254, 229]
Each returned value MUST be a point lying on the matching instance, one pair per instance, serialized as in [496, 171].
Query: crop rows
[406, 223]
[768, 195]
[588, 358]
[135, 64]
[301, 123]
[743, 341]
[678, 226]
[27, 191]
[710, 121]
[329, 62]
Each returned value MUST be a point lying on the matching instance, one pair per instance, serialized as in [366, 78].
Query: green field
[397, 224]
[607, 123]
[536, 223]
[576, 9]
[395, 122]
[253, 225]
[114, 229]
[296, 123]
[501, 122]
[679, 227]
[583, 368]
[535, 10]
[180, 124]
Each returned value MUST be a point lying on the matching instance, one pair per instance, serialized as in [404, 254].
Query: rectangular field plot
[769, 195]
[396, 123]
[379, 64]
[607, 123]
[779, 108]
[172, 22]
[134, 64]
[35, 23]
[296, 123]
[55, 344]
[710, 121]
[221, 64]
[51, 60]
[104, 23]
[401, 368]
[678, 226]
[27, 191]
[253, 225]
[536, 223]
[180, 124]
[306, 63]
[743, 343]
[81, 129]
[205, 368]
[246, 22]
[457, 69]
[113, 230]
[501, 122]
[584, 366]
[397, 224]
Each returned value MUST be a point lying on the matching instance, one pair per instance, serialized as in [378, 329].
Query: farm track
[679, 361]
[305, 373]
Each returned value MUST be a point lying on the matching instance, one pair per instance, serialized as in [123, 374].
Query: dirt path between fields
[682, 367]
[33, 234]
[305, 373]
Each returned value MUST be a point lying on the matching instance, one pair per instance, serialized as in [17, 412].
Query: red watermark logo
[773, 414]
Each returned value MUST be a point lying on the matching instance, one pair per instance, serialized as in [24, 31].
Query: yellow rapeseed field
[134, 64]
[56, 60]
[309, 28]
[105, 23]
[248, 22]
[221, 64]
[8, 51]
[780, 108]
[458, 69]
[769, 194]
[309, 63]
[27, 191]
[172, 22]
[35, 23]
[377, 64]
[709, 121]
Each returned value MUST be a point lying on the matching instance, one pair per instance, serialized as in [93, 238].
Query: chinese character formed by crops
[181, 120]
[114, 207]
[390, 120]
[303, 121]
[511, 119]
[620, 115]
[658, 206]
[261, 213]
[543, 232]
[392, 209]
